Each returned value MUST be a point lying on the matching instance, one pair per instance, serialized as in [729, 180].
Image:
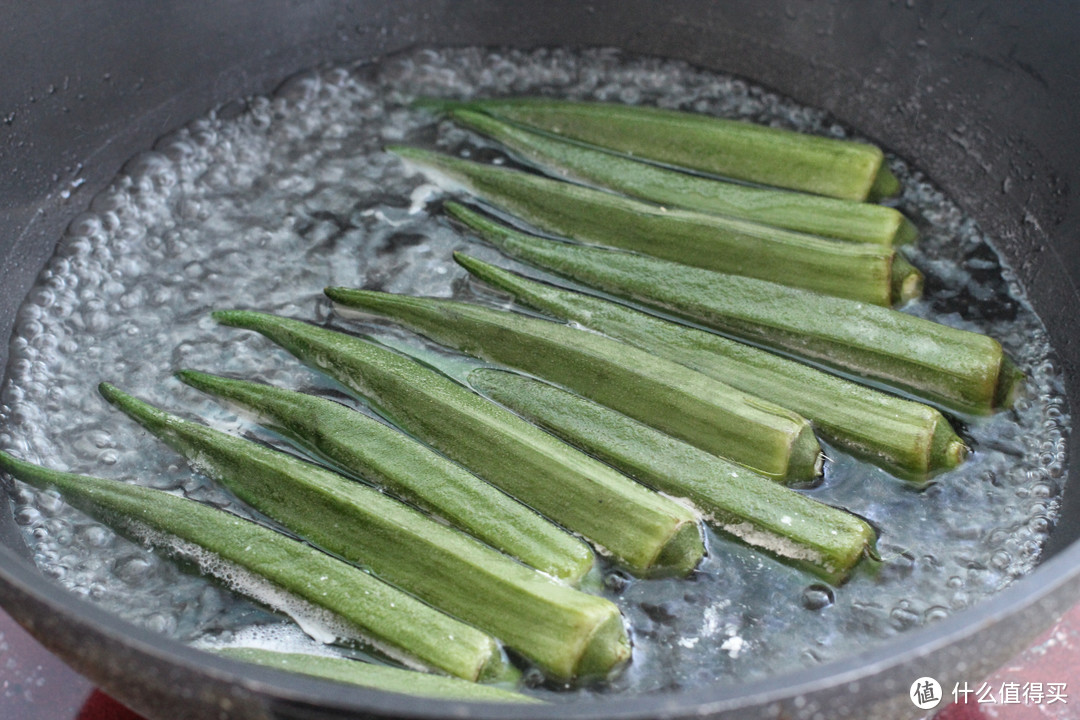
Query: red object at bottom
[100, 706]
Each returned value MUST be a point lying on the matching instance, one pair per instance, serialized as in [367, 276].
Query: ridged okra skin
[910, 439]
[730, 148]
[859, 271]
[646, 532]
[800, 212]
[393, 621]
[566, 632]
[369, 675]
[680, 401]
[747, 506]
[407, 469]
[956, 369]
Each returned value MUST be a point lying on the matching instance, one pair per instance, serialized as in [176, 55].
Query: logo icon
[925, 693]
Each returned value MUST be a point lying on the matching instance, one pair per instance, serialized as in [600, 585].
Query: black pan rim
[1056, 581]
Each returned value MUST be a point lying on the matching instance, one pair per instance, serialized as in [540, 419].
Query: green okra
[394, 622]
[646, 532]
[743, 504]
[859, 271]
[905, 437]
[370, 675]
[729, 148]
[958, 369]
[566, 632]
[407, 469]
[671, 397]
[801, 212]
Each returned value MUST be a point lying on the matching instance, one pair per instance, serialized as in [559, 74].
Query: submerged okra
[671, 397]
[370, 675]
[407, 469]
[801, 212]
[647, 533]
[859, 271]
[729, 148]
[394, 622]
[905, 437]
[751, 508]
[566, 632]
[957, 369]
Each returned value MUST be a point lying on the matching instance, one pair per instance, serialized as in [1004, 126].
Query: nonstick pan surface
[983, 96]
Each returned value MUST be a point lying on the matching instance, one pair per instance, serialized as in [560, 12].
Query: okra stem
[905, 437]
[564, 631]
[737, 501]
[644, 531]
[671, 397]
[957, 369]
[402, 466]
[370, 675]
[801, 212]
[393, 621]
[729, 148]
[859, 271]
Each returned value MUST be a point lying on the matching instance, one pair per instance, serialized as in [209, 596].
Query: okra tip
[682, 552]
[192, 377]
[438, 105]
[408, 152]
[470, 118]
[212, 384]
[606, 648]
[145, 414]
[109, 391]
[478, 268]
[238, 318]
[1010, 383]
[474, 220]
[906, 232]
[355, 296]
[16, 467]
[886, 185]
[907, 281]
[956, 452]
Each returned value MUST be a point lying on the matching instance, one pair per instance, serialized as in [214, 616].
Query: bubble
[162, 623]
[95, 535]
[616, 581]
[28, 517]
[818, 597]
[133, 569]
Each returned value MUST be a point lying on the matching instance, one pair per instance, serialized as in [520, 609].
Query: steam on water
[265, 208]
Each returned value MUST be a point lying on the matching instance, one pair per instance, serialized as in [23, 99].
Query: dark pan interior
[983, 96]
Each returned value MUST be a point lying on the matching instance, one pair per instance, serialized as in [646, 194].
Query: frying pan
[983, 96]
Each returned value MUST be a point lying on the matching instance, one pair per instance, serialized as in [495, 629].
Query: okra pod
[801, 212]
[566, 632]
[729, 148]
[958, 369]
[670, 397]
[394, 622]
[409, 470]
[370, 675]
[859, 271]
[748, 506]
[908, 438]
[646, 532]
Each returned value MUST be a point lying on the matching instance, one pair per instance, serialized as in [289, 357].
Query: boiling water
[264, 208]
